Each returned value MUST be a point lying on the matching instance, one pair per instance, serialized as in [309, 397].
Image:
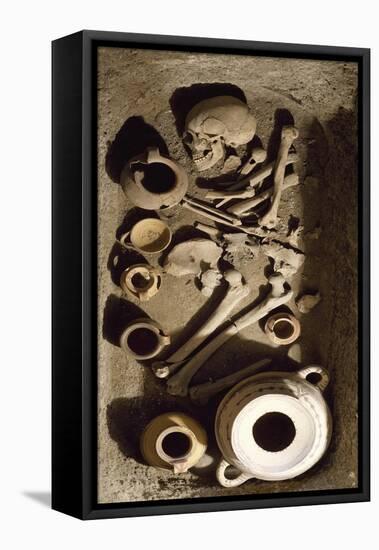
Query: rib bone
[236, 291]
[189, 201]
[289, 134]
[252, 181]
[258, 177]
[254, 230]
[178, 384]
[243, 206]
[201, 393]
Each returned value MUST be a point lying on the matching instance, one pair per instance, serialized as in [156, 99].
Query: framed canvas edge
[91, 509]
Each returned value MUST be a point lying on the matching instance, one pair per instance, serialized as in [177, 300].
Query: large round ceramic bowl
[273, 426]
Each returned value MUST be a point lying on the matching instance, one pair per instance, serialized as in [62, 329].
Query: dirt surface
[142, 99]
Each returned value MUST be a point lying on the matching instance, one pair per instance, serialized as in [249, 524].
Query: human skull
[215, 123]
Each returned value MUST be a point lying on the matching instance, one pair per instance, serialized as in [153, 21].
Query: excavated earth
[143, 97]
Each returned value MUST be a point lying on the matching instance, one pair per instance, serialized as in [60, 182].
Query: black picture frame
[74, 388]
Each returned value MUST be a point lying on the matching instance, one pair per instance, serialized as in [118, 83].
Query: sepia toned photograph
[227, 270]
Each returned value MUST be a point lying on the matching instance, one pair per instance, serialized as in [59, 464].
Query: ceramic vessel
[173, 441]
[150, 236]
[273, 426]
[143, 339]
[153, 181]
[282, 328]
[142, 281]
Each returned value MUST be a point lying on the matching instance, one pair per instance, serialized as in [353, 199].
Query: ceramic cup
[143, 339]
[173, 441]
[150, 236]
[142, 281]
[282, 328]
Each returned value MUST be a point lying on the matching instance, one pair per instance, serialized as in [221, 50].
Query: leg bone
[178, 384]
[236, 292]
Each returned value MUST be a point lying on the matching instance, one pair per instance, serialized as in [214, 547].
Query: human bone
[209, 208]
[258, 155]
[142, 281]
[192, 256]
[201, 393]
[247, 204]
[307, 302]
[209, 280]
[207, 214]
[239, 247]
[178, 384]
[173, 441]
[236, 291]
[153, 181]
[287, 260]
[250, 230]
[215, 123]
[232, 163]
[282, 328]
[295, 235]
[256, 408]
[258, 177]
[209, 229]
[288, 136]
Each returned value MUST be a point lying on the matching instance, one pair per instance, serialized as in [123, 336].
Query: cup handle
[324, 375]
[123, 240]
[224, 481]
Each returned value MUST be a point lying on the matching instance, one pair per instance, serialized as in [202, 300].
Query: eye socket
[188, 138]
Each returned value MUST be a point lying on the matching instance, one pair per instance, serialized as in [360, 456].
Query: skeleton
[178, 384]
[201, 393]
[215, 123]
[235, 292]
[289, 134]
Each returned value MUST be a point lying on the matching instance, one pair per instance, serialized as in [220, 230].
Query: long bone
[245, 194]
[209, 229]
[178, 384]
[256, 231]
[235, 292]
[288, 136]
[251, 181]
[258, 155]
[243, 206]
[201, 393]
[189, 201]
[258, 177]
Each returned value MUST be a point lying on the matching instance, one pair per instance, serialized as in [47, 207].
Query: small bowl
[150, 235]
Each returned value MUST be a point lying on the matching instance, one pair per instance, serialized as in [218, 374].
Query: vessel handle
[311, 369]
[226, 482]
